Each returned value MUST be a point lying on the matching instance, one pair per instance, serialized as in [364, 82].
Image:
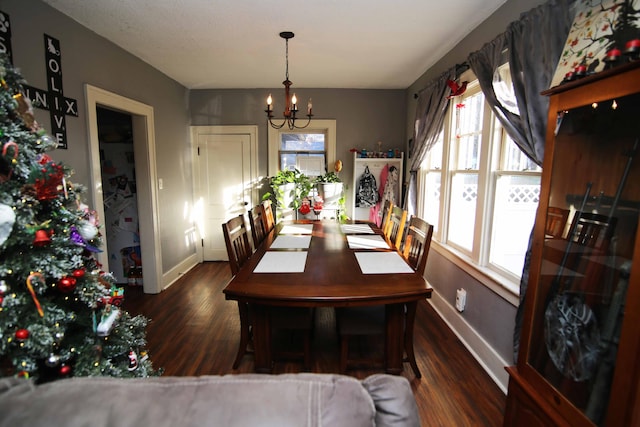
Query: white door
[227, 173]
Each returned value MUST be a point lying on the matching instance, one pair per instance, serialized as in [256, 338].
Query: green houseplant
[288, 189]
[331, 189]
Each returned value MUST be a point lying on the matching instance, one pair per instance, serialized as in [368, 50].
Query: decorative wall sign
[53, 99]
[604, 32]
[5, 36]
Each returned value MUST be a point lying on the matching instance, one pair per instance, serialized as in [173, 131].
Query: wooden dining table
[290, 270]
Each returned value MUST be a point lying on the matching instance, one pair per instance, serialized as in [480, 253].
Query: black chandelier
[291, 103]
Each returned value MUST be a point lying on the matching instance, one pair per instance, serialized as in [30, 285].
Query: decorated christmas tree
[60, 314]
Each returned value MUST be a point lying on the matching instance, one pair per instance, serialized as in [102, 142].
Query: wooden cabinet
[577, 364]
[375, 165]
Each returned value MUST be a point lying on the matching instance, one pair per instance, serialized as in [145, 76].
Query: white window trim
[502, 283]
[326, 126]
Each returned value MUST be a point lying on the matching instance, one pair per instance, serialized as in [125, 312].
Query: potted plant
[329, 187]
[289, 188]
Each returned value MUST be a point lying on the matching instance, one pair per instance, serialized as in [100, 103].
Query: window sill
[502, 286]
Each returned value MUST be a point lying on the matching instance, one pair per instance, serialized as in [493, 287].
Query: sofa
[302, 399]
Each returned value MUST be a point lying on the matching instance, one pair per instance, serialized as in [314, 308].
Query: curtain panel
[533, 45]
[429, 120]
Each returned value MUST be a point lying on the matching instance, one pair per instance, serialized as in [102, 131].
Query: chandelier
[290, 102]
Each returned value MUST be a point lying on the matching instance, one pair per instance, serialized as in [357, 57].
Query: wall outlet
[461, 299]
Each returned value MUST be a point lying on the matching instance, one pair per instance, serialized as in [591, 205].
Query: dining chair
[556, 222]
[395, 227]
[239, 251]
[416, 251]
[370, 321]
[269, 218]
[386, 211]
[291, 319]
[258, 224]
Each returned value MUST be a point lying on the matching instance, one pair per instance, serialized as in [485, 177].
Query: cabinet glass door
[590, 232]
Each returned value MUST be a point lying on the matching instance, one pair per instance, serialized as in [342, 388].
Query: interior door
[227, 171]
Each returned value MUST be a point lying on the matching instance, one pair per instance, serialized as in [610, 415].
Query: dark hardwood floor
[195, 331]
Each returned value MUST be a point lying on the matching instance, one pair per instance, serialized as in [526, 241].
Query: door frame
[252, 131]
[146, 178]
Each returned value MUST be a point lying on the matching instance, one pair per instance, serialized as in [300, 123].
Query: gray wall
[363, 117]
[489, 314]
[88, 58]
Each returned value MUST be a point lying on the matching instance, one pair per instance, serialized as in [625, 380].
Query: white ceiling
[360, 44]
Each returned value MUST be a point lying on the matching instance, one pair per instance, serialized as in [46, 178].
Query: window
[479, 190]
[303, 151]
[309, 150]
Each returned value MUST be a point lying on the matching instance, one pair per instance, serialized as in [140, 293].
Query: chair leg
[244, 333]
[410, 318]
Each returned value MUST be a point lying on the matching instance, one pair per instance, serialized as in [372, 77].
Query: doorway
[142, 124]
[117, 159]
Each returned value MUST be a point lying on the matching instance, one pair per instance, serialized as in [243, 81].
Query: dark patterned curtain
[430, 111]
[532, 45]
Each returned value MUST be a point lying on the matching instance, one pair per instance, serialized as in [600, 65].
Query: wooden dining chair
[386, 212]
[556, 222]
[395, 227]
[269, 218]
[291, 319]
[370, 321]
[239, 251]
[416, 251]
[257, 221]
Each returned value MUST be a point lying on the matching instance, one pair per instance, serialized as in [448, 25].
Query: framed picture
[599, 27]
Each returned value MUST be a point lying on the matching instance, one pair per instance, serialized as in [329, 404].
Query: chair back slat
[237, 242]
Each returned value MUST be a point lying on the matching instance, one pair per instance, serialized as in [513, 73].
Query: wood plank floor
[195, 331]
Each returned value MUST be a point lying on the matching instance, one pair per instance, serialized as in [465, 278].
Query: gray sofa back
[231, 400]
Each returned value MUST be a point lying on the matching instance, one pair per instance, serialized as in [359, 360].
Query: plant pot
[331, 192]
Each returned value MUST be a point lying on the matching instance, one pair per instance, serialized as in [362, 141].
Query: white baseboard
[490, 361]
[178, 271]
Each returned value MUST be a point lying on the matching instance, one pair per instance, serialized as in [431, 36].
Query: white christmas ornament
[7, 219]
[87, 230]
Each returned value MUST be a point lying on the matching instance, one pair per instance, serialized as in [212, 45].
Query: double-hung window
[479, 190]
[309, 150]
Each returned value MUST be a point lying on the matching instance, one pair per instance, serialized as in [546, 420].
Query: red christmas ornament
[48, 179]
[22, 334]
[42, 238]
[305, 209]
[65, 370]
[78, 273]
[67, 284]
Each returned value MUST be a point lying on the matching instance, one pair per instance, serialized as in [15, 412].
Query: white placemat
[282, 262]
[367, 241]
[297, 229]
[356, 229]
[382, 263]
[291, 241]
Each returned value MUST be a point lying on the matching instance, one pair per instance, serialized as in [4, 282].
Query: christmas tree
[60, 314]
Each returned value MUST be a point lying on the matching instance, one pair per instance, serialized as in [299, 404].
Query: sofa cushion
[229, 400]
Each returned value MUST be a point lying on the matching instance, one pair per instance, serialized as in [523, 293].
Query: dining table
[324, 263]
